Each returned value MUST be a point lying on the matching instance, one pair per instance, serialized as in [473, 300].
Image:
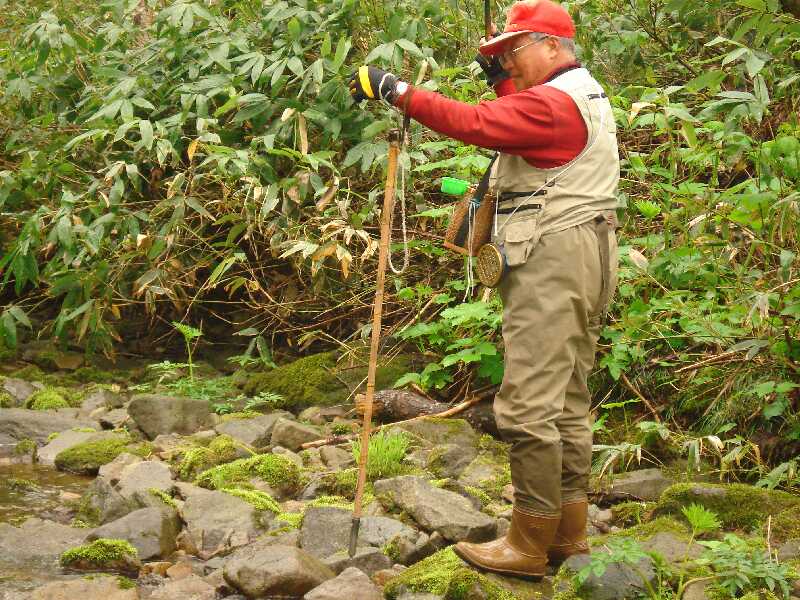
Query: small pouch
[519, 237]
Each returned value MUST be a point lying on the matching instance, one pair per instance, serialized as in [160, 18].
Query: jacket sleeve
[542, 124]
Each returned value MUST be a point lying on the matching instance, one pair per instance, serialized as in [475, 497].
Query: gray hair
[566, 43]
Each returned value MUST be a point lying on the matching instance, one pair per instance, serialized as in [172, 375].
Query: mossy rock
[46, 399]
[278, 472]
[194, 460]
[103, 554]
[88, 457]
[7, 400]
[318, 380]
[738, 506]
[445, 574]
[644, 531]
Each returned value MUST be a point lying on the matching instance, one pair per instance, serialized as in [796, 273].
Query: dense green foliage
[201, 159]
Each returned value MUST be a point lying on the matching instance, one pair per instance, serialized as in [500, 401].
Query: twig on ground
[647, 403]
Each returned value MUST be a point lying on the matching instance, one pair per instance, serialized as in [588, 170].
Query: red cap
[531, 16]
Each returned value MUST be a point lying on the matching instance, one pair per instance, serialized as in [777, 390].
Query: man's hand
[492, 69]
[372, 83]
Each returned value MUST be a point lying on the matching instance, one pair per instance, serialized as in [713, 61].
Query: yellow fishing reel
[491, 265]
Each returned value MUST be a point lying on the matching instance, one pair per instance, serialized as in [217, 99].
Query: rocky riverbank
[116, 495]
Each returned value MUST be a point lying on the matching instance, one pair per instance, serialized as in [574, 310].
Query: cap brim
[497, 45]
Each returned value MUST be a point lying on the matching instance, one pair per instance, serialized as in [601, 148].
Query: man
[555, 178]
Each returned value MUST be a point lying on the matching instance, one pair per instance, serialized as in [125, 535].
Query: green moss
[478, 493]
[18, 484]
[275, 470]
[224, 448]
[99, 554]
[80, 524]
[786, 525]
[25, 447]
[631, 513]
[258, 499]
[163, 496]
[82, 430]
[335, 501]
[446, 575]
[87, 512]
[292, 520]
[649, 529]
[738, 506]
[125, 583]
[7, 400]
[93, 375]
[142, 449]
[392, 549]
[197, 459]
[318, 380]
[88, 457]
[235, 416]
[46, 399]
[29, 373]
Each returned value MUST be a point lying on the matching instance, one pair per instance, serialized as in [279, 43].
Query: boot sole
[519, 574]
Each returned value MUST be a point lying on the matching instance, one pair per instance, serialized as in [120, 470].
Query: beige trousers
[552, 319]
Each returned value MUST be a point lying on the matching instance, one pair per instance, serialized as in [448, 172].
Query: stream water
[33, 491]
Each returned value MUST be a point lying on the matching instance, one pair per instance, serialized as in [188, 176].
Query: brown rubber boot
[522, 552]
[570, 537]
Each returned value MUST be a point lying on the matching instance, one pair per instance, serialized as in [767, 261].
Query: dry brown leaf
[193, 149]
[329, 194]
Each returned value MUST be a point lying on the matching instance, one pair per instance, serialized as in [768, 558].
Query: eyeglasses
[508, 55]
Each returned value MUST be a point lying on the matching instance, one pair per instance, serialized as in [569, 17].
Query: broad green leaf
[146, 129]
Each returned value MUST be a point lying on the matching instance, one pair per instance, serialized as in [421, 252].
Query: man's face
[527, 61]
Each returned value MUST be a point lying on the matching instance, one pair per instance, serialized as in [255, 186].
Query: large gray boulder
[348, 585]
[326, 531]
[292, 435]
[645, 484]
[255, 432]
[336, 458]
[96, 588]
[265, 571]
[438, 432]
[37, 425]
[68, 439]
[152, 531]
[367, 559]
[216, 522]
[435, 509]
[36, 544]
[155, 414]
[123, 486]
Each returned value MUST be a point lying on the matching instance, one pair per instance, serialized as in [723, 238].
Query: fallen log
[390, 406]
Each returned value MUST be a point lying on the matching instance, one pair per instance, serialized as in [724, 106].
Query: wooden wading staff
[377, 312]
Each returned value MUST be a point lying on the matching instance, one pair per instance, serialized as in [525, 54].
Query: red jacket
[542, 124]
